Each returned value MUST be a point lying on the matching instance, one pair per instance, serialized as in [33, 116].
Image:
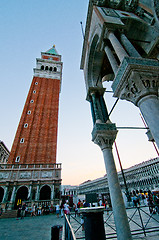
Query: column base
[93, 223]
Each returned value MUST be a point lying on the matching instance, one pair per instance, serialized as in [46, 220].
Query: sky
[29, 27]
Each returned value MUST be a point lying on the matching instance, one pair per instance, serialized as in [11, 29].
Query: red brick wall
[40, 137]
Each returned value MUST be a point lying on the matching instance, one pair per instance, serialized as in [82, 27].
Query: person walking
[57, 210]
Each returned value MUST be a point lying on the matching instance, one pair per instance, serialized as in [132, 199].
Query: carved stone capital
[140, 84]
[136, 78]
[104, 134]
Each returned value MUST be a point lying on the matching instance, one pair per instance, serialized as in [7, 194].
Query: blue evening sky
[28, 27]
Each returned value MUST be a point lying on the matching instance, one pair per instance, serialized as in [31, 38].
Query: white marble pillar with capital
[52, 192]
[104, 135]
[13, 194]
[5, 194]
[137, 81]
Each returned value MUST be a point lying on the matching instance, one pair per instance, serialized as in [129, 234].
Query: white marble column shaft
[52, 192]
[13, 194]
[149, 107]
[5, 194]
[121, 53]
[112, 59]
[119, 211]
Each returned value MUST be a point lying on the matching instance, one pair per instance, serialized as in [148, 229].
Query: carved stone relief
[46, 174]
[4, 175]
[25, 175]
[139, 85]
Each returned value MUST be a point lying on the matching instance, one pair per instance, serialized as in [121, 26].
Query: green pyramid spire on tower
[52, 51]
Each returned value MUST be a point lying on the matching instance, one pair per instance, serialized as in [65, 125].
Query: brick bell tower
[36, 138]
[32, 172]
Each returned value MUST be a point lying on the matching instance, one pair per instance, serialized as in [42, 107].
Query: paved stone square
[29, 228]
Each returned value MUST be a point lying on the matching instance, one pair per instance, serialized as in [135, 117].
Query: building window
[25, 125]
[46, 68]
[32, 101]
[50, 68]
[34, 91]
[29, 112]
[42, 67]
[36, 83]
[55, 69]
[17, 159]
[22, 140]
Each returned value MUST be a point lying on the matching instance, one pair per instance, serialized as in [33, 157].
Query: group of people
[23, 210]
[146, 198]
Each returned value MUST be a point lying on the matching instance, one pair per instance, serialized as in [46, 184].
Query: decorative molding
[46, 174]
[25, 175]
[136, 78]
[4, 175]
[104, 134]
[139, 85]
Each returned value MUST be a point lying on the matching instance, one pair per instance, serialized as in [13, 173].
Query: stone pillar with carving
[5, 194]
[37, 193]
[30, 192]
[104, 135]
[137, 81]
[11, 203]
[52, 192]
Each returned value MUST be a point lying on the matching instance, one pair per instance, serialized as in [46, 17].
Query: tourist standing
[57, 210]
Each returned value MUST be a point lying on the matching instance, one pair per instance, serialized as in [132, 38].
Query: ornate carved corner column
[104, 135]
[37, 192]
[137, 81]
[30, 192]
[12, 200]
[5, 194]
[52, 192]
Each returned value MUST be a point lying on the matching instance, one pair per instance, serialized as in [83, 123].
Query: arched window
[50, 68]
[46, 68]
[22, 140]
[17, 159]
[42, 67]
[55, 69]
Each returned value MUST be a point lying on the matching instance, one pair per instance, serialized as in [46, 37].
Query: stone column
[149, 107]
[104, 135]
[121, 53]
[52, 192]
[129, 47]
[95, 107]
[11, 203]
[29, 193]
[13, 194]
[5, 194]
[112, 59]
[37, 193]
